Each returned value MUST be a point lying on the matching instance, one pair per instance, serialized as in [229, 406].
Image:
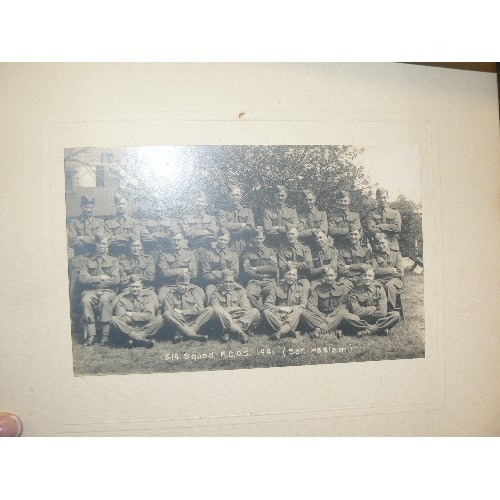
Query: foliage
[410, 239]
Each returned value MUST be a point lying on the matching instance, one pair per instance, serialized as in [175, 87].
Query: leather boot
[105, 334]
[90, 330]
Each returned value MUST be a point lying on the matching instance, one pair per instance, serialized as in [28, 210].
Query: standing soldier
[200, 229]
[355, 258]
[342, 218]
[384, 219]
[324, 256]
[99, 277]
[260, 265]
[231, 309]
[278, 219]
[184, 309]
[216, 260]
[81, 234]
[327, 306]
[311, 220]
[389, 268]
[120, 227]
[239, 220]
[157, 232]
[135, 316]
[285, 304]
[175, 262]
[368, 302]
[296, 253]
[136, 262]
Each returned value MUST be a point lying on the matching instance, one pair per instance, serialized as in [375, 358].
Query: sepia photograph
[192, 258]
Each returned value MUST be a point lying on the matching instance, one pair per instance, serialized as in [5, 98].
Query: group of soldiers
[206, 275]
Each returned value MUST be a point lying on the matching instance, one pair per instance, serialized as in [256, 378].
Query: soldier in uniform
[285, 304]
[231, 309]
[136, 262]
[184, 309]
[200, 229]
[135, 315]
[81, 235]
[120, 227]
[217, 259]
[278, 219]
[342, 218]
[294, 252]
[355, 258]
[389, 268]
[327, 306]
[157, 232]
[260, 265]
[384, 219]
[175, 262]
[238, 220]
[324, 256]
[368, 302]
[311, 220]
[99, 277]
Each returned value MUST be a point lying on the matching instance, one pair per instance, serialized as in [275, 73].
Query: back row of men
[204, 251]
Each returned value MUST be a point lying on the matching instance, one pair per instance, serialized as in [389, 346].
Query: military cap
[134, 278]
[280, 189]
[291, 266]
[342, 194]
[258, 231]
[101, 238]
[379, 236]
[223, 232]
[330, 267]
[132, 238]
[87, 200]
[183, 277]
[381, 190]
[226, 273]
[354, 227]
[292, 228]
[119, 197]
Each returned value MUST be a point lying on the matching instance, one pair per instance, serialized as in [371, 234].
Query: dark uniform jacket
[320, 257]
[216, 261]
[383, 264]
[324, 299]
[309, 220]
[190, 302]
[284, 295]
[141, 307]
[391, 228]
[143, 265]
[122, 225]
[95, 266]
[170, 264]
[236, 298]
[232, 220]
[159, 231]
[285, 218]
[340, 221]
[86, 228]
[264, 260]
[369, 301]
[193, 226]
[356, 257]
[301, 254]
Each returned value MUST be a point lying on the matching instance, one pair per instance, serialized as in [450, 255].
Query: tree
[410, 239]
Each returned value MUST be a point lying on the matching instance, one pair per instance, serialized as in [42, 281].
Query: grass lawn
[406, 340]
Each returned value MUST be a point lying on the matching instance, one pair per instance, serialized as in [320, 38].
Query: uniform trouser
[74, 272]
[278, 319]
[392, 287]
[258, 290]
[331, 322]
[376, 325]
[135, 330]
[97, 301]
[188, 326]
[245, 317]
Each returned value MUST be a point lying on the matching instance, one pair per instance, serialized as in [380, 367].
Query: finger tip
[10, 425]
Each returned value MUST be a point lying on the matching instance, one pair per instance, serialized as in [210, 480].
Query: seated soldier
[135, 316]
[260, 264]
[285, 304]
[311, 220]
[173, 263]
[355, 258]
[368, 302]
[217, 259]
[324, 256]
[342, 219]
[184, 309]
[238, 220]
[389, 268]
[296, 253]
[327, 306]
[99, 277]
[231, 309]
[136, 262]
[120, 227]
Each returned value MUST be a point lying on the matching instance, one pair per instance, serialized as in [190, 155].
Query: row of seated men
[322, 303]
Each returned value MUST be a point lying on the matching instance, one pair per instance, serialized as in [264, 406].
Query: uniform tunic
[340, 222]
[172, 264]
[389, 270]
[214, 263]
[327, 256]
[119, 228]
[358, 258]
[232, 220]
[284, 217]
[284, 295]
[389, 222]
[309, 221]
[299, 254]
[157, 234]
